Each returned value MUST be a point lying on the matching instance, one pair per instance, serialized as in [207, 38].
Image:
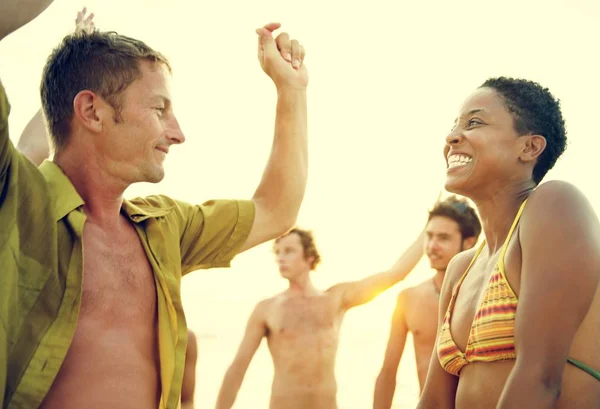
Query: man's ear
[89, 111]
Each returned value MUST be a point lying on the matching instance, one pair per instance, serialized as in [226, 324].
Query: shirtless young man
[107, 329]
[452, 227]
[302, 326]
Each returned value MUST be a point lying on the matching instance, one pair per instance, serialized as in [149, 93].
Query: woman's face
[483, 148]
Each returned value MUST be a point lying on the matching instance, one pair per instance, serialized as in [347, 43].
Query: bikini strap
[510, 233]
[477, 253]
[504, 247]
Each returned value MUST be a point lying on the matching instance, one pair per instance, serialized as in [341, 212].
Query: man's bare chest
[304, 317]
[118, 283]
[422, 317]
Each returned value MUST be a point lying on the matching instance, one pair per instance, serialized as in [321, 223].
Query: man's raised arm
[33, 142]
[359, 292]
[14, 14]
[281, 190]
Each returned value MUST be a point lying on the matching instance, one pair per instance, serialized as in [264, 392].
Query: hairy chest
[305, 318]
[118, 283]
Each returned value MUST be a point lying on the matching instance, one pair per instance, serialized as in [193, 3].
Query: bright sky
[386, 81]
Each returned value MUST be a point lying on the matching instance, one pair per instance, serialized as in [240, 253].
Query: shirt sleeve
[214, 232]
[6, 148]
[3, 360]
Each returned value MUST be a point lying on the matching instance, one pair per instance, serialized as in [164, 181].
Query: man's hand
[439, 198]
[281, 58]
[83, 23]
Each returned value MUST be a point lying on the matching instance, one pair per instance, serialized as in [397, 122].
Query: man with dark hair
[302, 325]
[453, 227]
[107, 329]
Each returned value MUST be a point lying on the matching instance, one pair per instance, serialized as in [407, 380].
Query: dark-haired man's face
[290, 258]
[442, 241]
[483, 145]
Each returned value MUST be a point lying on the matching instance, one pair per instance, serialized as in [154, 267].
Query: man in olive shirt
[107, 329]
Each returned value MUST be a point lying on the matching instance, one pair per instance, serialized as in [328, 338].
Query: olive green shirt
[41, 268]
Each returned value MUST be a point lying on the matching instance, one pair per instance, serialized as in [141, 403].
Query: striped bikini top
[492, 336]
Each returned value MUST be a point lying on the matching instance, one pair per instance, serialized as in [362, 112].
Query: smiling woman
[532, 286]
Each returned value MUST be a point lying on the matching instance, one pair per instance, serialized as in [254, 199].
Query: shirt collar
[67, 199]
[140, 211]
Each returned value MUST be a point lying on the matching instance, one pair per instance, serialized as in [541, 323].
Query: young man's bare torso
[302, 332]
[421, 304]
[302, 326]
